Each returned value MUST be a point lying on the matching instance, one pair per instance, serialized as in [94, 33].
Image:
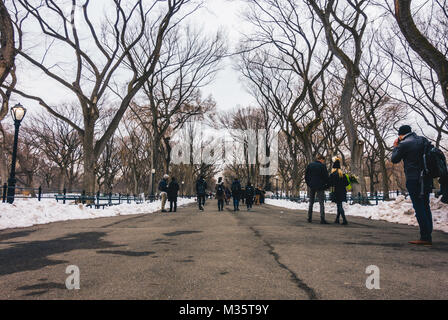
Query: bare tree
[58, 142]
[100, 53]
[417, 84]
[188, 61]
[7, 57]
[432, 51]
[345, 24]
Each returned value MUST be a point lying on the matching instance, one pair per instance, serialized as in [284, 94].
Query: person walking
[228, 195]
[257, 196]
[250, 193]
[201, 186]
[338, 182]
[236, 194]
[220, 194]
[409, 148]
[163, 188]
[262, 195]
[173, 190]
[316, 178]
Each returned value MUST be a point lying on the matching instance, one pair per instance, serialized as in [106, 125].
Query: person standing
[163, 188]
[262, 195]
[338, 181]
[220, 194]
[250, 193]
[228, 195]
[173, 190]
[257, 196]
[409, 148]
[316, 178]
[236, 194]
[201, 187]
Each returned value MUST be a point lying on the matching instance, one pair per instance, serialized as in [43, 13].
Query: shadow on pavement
[34, 255]
[128, 253]
[18, 234]
[179, 233]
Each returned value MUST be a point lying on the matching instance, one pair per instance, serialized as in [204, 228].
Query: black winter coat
[410, 150]
[316, 176]
[249, 193]
[173, 189]
[338, 185]
[236, 189]
[201, 186]
[163, 185]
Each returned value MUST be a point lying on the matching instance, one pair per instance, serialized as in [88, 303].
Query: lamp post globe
[183, 188]
[153, 171]
[18, 113]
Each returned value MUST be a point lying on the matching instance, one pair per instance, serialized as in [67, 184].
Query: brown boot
[421, 242]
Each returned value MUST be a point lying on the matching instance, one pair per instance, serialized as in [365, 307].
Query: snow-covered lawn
[28, 212]
[398, 211]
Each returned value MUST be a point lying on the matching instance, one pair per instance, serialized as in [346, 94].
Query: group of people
[248, 195]
[169, 191]
[318, 180]
[408, 148]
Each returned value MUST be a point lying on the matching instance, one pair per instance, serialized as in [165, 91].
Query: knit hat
[337, 164]
[404, 130]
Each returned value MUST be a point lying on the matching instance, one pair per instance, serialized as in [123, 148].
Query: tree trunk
[89, 161]
[420, 44]
[356, 145]
[61, 179]
[7, 55]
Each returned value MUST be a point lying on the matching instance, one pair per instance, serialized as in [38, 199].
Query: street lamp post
[183, 188]
[18, 113]
[276, 186]
[153, 171]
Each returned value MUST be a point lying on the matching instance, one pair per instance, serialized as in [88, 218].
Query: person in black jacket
[236, 194]
[410, 148]
[220, 193]
[338, 181]
[201, 186]
[173, 189]
[316, 177]
[250, 193]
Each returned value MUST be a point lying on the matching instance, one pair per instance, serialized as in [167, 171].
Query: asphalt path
[268, 253]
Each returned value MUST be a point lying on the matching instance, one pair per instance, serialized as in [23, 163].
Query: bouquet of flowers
[353, 179]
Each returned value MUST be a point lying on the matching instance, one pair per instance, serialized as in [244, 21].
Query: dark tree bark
[421, 45]
[7, 57]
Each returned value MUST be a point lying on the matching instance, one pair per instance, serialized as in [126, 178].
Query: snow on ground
[28, 212]
[398, 211]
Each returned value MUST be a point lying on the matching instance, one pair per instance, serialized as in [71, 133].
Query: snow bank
[28, 212]
[398, 211]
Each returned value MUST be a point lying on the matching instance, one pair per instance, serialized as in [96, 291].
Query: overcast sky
[227, 90]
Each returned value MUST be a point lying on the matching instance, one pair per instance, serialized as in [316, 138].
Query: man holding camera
[410, 148]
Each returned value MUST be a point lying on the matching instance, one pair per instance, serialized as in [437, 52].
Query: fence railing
[368, 199]
[96, 200]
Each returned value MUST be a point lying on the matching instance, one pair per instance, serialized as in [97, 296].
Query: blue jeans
[341, 212]
[236, 203]
[422, 209]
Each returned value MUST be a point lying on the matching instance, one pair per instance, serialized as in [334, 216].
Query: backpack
[220, 190]
[434, 162]
[249, 192]
[236, 187]
[201, 187]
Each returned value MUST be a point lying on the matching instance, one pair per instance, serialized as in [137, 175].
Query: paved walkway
[269, 253]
